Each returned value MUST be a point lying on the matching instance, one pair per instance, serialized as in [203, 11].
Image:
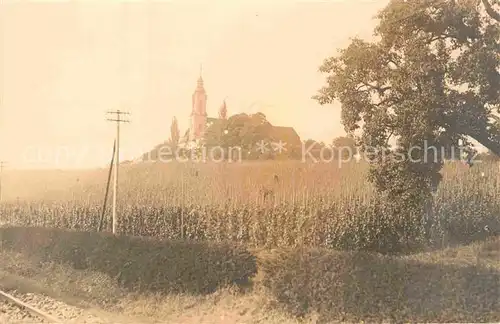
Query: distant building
[285, 134]
[199, 123]
[199, 120]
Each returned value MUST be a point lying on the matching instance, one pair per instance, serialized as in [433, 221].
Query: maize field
[258, 204]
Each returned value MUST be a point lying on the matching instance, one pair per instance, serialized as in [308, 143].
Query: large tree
[431, 78]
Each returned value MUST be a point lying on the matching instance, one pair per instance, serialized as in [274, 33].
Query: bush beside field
[359, 286]
[139, 264]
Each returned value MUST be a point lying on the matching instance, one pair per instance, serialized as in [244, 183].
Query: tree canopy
[430, 79]
[245, 132]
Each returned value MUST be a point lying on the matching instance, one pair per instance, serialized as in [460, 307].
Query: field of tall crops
[259, 204]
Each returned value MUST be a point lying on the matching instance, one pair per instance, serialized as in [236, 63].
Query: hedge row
[137, 263]
[358, 286]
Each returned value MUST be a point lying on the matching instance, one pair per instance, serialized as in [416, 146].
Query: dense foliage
[140, 264]
[431, 79]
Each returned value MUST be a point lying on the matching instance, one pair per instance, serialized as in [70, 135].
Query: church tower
[198, 112]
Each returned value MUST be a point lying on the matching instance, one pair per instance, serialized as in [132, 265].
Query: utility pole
[2, 165]
[107, 187]
[118, 119]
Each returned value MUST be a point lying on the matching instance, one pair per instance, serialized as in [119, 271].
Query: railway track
[34, 313]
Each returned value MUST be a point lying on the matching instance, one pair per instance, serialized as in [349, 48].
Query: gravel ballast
[10, 313]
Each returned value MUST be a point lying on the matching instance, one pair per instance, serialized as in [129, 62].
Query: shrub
[358, 286]
[138, 263]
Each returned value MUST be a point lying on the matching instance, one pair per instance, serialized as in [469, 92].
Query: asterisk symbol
[279, 146]
[262, 147]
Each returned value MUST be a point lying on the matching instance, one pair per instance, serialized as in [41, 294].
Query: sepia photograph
[249, 162]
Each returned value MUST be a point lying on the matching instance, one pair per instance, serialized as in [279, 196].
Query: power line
[118, 119]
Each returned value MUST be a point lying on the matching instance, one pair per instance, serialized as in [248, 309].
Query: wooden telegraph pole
[118, 118]
[107, 188]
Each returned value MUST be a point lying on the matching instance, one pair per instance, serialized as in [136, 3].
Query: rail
[31, 309]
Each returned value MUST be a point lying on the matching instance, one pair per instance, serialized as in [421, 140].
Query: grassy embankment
[181, 282]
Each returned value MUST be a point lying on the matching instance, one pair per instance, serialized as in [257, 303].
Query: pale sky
[63, 65]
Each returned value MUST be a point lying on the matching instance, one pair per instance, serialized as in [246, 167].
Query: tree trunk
[475, 130]
[491, 12]
[484, 139]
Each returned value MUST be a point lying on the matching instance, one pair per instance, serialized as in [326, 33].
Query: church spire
[200, 78]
